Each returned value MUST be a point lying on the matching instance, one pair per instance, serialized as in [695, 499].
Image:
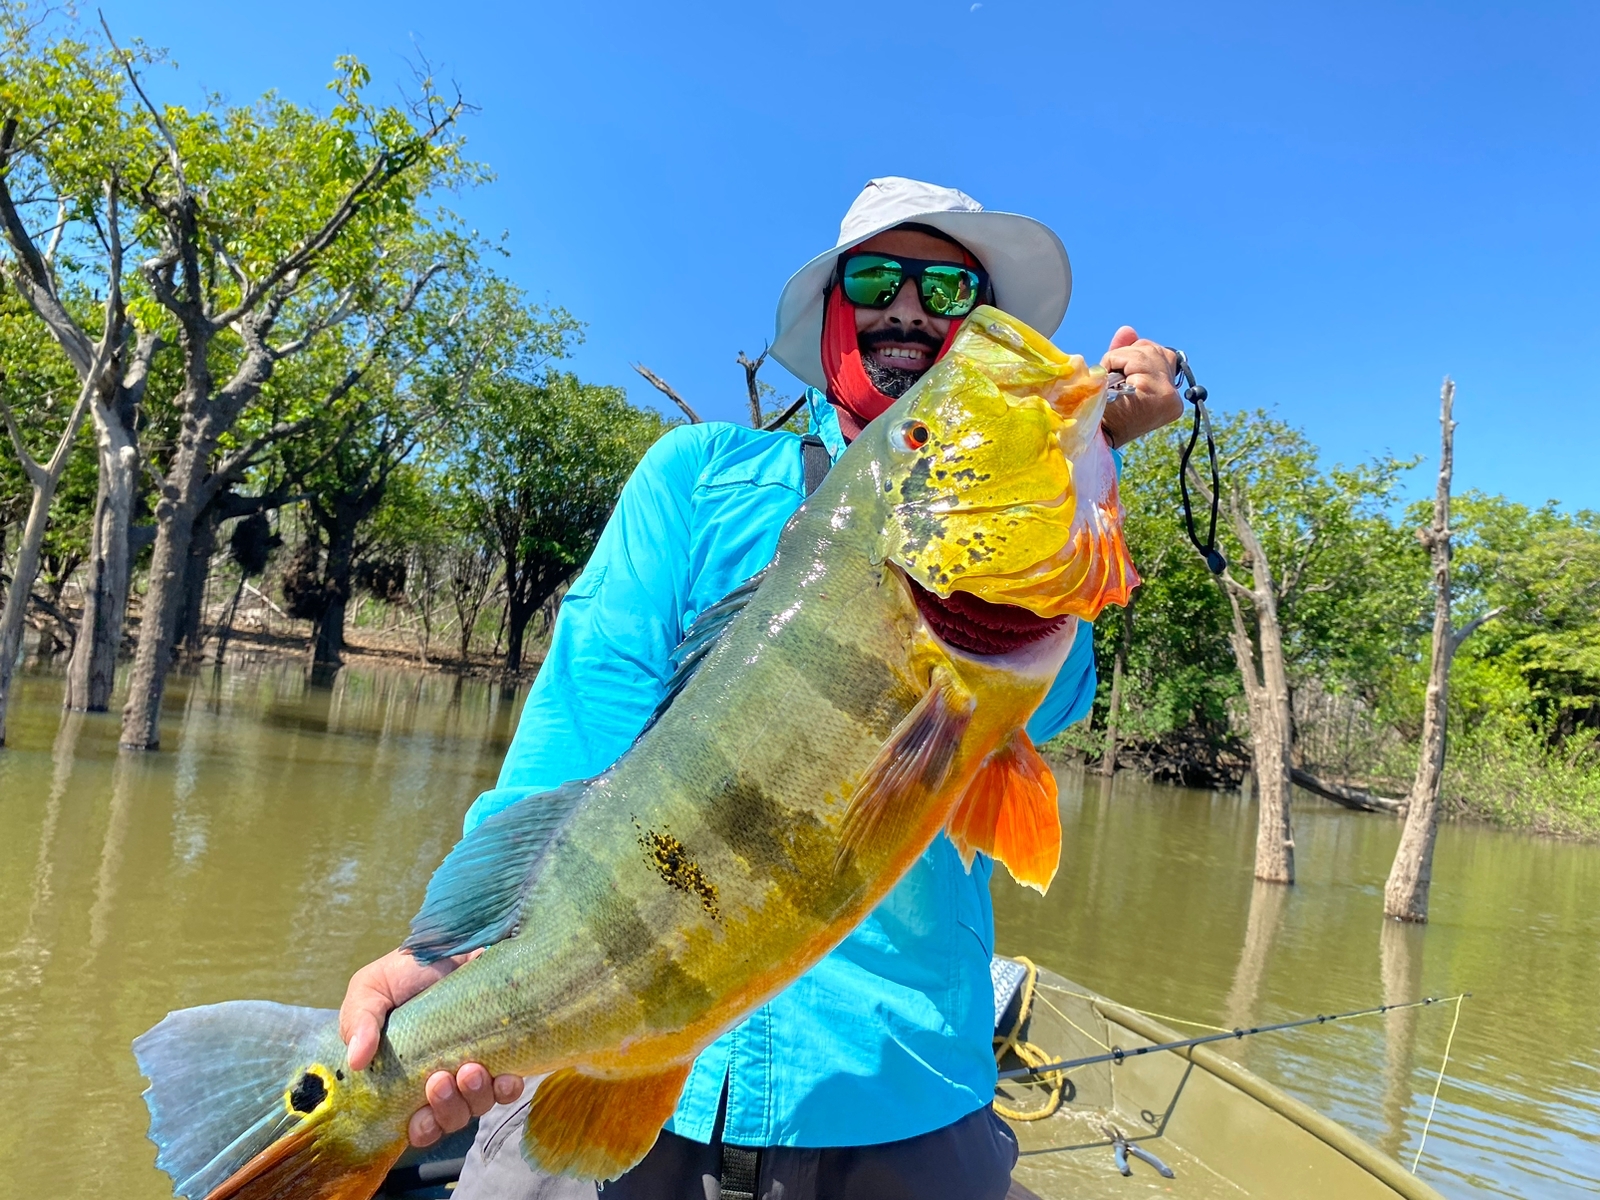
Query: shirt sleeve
[610, 657]
[1072, 695]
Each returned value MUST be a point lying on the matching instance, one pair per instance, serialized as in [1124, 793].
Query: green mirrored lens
[949, 291]
[871, 280]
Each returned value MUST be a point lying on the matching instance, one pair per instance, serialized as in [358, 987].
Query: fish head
[999, 485]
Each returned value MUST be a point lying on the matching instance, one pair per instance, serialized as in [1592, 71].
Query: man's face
[898, 343]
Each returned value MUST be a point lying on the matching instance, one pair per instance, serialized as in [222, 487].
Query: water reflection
[1156, 906]
[288, 832]
[1267, 901]
[1400, 957]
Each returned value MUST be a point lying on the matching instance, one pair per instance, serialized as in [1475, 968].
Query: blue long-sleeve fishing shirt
[890, 1035]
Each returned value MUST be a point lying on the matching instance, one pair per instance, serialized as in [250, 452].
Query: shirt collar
[825, 423]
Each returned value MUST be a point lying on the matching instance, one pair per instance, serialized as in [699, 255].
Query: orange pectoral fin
[1009, 812]
[591, 1127]
[910, 768]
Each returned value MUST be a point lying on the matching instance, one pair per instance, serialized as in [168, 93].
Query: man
[872, 1075]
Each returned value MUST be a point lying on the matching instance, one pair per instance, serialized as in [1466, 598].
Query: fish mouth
[978, 626]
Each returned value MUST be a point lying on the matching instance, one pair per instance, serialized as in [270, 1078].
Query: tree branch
[1472, 627]
[751, 368]
[31, 274]
[662, 385]
[386, 166]
[126, 60]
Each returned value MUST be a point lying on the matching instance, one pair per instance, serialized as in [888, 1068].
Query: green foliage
[1353, 585]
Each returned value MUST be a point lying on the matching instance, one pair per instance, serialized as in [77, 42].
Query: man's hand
[1149, 369]
[376, 990]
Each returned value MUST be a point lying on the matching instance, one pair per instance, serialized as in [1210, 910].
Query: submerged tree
[269, 226]
[71, 148]
[1314, 543]
[1405, 895]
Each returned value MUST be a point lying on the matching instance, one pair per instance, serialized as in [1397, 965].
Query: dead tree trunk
[1266, 690]
[1405, 896]
[1265, 676]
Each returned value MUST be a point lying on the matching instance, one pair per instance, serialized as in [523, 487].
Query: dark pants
[970, 1159]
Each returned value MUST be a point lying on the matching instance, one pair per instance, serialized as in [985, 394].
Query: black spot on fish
[916, 486]
[308, 1093]
[672, 861]
[339, 1075]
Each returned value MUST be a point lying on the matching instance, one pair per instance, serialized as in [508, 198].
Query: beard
[895, 382]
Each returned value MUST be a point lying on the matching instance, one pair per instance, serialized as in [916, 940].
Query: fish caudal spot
[673, 863]
[309, 1092]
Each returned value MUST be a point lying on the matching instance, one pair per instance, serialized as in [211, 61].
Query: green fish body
[829, 719]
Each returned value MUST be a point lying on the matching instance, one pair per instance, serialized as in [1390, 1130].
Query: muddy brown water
[285, 834]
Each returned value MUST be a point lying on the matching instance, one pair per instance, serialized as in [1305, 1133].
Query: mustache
[913, 336]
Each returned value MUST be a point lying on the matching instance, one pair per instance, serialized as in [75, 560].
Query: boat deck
[1221, 1131]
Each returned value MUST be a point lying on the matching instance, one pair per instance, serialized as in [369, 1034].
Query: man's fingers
[476, 1088]
[423, 1130]
[445, 1100]
[507, 1088]
[1144, 358]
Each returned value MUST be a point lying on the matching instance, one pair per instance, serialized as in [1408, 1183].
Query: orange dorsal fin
[593, 1127]
[1009, 812]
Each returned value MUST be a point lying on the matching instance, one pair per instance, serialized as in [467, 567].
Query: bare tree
[43, 479]
[1263, 671]
[1405, 896]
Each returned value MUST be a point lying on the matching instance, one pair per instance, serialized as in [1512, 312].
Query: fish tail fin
[252, 1100]
[1009, 811]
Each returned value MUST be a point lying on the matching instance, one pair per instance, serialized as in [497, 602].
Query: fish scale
[821, 743]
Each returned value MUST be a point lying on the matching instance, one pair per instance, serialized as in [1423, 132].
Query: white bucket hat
[1026, 262]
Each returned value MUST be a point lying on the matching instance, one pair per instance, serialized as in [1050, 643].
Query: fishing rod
[1118, 1055]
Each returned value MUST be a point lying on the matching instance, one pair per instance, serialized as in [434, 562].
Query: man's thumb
[363, 1043]
[1126, 336]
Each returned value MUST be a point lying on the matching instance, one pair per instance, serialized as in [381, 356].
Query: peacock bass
[826, 721]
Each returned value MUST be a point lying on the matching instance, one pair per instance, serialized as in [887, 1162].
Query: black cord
[1196, 395]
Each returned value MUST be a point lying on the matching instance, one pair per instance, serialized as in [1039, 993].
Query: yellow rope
[1070, 1021]
[1437, 1083]
[1029, 1054]
[1143, 1012]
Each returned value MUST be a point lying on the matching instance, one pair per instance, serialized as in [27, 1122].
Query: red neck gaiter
[849, 388]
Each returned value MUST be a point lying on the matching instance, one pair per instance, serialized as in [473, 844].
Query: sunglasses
[945, 289]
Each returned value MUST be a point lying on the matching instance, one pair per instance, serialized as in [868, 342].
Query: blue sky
[1328, 206]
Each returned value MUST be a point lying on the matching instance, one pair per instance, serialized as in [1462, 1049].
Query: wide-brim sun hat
[1027, 264]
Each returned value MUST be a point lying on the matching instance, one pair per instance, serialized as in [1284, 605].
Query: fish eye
[910, 435]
